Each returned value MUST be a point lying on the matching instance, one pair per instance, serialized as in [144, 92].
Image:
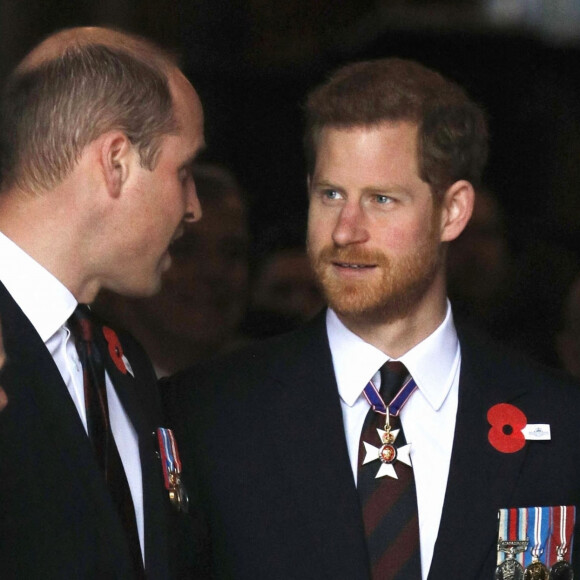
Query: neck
[398, 336]
[44, 226]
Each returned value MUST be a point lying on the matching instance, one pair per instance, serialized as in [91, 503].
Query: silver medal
[510, 568]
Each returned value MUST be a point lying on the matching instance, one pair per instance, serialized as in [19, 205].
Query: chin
[387, 311]
[388, 302]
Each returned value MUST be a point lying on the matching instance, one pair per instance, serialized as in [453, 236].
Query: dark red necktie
[99, 429]
[389, 505]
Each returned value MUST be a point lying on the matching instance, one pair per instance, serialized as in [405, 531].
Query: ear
[116, 154]
[456, 209]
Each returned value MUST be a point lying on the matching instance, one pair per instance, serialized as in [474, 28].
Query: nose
[351, 226]
[193, 211]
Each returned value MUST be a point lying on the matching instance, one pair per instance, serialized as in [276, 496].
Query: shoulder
[501, 370]
[260, 358]
[11, 315]
[246, 375]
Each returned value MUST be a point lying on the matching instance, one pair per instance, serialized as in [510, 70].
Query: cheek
[398, 238]
[319, 231]
[170, 199]
[405, 235]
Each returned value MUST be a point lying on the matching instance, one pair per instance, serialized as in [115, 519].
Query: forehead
[388, 147]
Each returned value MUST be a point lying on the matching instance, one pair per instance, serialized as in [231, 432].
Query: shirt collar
[45, 301]
[433, 363]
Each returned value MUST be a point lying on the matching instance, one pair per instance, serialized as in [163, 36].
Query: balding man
[99, 132]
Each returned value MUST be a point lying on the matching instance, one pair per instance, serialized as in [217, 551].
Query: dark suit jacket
[56, 515]
[264, 430]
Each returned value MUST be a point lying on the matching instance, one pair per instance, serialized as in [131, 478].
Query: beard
[401, 284]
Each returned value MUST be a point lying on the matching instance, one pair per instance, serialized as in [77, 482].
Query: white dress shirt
[48, 305]
[428, 417]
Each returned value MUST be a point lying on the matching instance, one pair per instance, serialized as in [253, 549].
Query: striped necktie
[99, 429]
[389, 505]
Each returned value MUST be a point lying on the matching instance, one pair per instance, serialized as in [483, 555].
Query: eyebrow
[325, 185]
[385, 190]
[377, 190]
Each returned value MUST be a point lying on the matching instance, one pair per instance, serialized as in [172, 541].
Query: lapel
[36, 389]
[308, 417]
[32, 373]
[129, 389]
[125, 384]
[481, 479]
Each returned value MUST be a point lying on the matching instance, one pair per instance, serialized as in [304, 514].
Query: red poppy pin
[115, 349]
[506, 423]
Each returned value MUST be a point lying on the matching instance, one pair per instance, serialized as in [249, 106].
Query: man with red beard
[380, 441]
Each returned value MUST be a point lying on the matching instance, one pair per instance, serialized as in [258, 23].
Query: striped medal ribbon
[563, 519]
[539, 525]
[512, 544]
[171, 465]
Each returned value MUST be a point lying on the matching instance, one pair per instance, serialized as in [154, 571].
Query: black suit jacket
[56, 515]
[264, 430]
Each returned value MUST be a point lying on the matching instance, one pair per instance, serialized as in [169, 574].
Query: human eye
[383, 199]
[331, 194]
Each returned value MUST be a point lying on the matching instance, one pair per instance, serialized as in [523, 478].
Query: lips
[353, 266]
[348, 260]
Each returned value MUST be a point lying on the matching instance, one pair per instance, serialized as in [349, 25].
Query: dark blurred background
[253, 61]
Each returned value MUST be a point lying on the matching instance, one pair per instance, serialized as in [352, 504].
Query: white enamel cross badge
[388, 454]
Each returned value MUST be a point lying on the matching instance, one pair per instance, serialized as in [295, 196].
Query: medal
[172, 470]
[538, 518]
[388, 453]
[562, 570]
[510, 568]
[177, 493]
[552, 530]
[536, 571]
[512, 544]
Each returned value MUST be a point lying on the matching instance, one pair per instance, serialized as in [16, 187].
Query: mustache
[352, 255]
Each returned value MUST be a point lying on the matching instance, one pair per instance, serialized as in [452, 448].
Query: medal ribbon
[513, 526]
[562, 523]
[502, 533]
[539, 524]
[375, 400]
[169, 454]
